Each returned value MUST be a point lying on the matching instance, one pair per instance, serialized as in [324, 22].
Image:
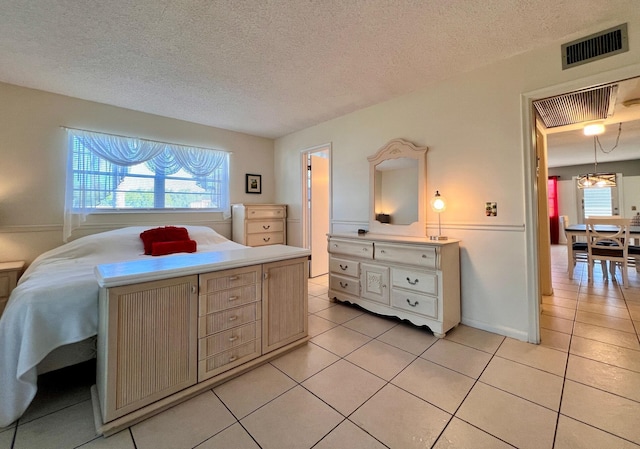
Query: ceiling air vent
[577, 107]
[596, 46]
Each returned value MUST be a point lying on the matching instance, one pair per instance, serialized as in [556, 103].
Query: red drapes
[554, 225]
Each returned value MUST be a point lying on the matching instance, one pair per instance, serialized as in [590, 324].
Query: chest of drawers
[259, 224]
[412, 278]
[229, 315]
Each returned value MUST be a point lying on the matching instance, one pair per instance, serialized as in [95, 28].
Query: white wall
[473, 126]
[32, 165]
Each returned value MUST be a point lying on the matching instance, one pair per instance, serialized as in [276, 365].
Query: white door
[319, 213]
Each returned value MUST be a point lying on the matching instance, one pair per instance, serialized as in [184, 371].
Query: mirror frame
[395, 149]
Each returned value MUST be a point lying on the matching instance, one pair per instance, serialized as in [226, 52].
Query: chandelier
[596, 179]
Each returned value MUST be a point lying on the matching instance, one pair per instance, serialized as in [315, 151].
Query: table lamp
[438, 204]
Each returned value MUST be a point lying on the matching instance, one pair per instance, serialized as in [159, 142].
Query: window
[107, 172]
[597, 202]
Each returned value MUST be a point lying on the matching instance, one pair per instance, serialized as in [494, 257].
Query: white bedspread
[56, 303]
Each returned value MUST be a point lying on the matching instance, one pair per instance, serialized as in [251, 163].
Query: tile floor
[370, 382]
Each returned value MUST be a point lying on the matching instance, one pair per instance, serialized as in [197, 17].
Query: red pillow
[165, 234]
[179, 246]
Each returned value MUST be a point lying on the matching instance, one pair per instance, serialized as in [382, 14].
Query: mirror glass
[396, 191]
[397, 180]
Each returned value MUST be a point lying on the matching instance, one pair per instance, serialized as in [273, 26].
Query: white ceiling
[270, 67]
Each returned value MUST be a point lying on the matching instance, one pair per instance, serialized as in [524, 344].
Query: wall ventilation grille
[577, 107]
[596, 46]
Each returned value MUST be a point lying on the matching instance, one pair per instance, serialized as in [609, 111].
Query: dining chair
[608, 241]
[578, 250]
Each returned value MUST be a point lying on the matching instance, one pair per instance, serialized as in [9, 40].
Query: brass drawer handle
[344, 284]
[266, 227]
[412, 305]
[233, 318]
[343, 267]
[365, 249]
[233, 278]
[266, 239]
[233, 358]
[382, 251]
[412, 283]
[232, 298]
[232, 338]
[424, 256]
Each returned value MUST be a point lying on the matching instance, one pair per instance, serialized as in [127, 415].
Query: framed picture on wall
[254, 183]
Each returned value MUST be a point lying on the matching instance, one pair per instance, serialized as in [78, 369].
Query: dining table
[580, 229]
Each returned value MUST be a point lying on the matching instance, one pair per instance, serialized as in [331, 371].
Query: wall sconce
[438, 204]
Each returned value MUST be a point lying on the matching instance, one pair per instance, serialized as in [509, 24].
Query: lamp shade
[438, 203]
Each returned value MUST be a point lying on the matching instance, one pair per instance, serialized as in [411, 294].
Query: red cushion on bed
[179, 246]
[165, 234]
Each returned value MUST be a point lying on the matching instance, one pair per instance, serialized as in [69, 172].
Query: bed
[55, 305]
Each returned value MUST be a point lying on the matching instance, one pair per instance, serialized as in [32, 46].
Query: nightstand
[9, 274]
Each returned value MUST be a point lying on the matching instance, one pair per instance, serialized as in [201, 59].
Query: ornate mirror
[397, 174]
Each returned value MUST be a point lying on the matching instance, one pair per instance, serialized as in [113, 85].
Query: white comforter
[56, 303]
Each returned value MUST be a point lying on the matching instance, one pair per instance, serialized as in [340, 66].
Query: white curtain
[123, 152]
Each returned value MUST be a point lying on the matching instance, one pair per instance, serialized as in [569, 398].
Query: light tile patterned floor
[369, 382]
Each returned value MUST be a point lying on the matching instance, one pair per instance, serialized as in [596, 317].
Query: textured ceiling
[270, 67]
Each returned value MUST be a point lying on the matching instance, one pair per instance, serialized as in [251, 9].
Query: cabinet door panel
[284, 302]
[374, 283]
[152, 343]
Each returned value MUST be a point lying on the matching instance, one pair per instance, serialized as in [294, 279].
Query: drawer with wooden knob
[351, 248]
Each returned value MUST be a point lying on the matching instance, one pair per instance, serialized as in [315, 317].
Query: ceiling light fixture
[593, 129]
[596, 179]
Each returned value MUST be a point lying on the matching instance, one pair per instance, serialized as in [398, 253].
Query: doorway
[536, 166]
[316, 201]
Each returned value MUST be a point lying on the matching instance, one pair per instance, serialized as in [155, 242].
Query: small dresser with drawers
[259, 224]
[229, 314]
[413, 278]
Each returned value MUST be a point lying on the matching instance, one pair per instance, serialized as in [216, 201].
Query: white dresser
[413, 278]
[259, 224]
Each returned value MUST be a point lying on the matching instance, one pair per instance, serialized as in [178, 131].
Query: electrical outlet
[491, 209]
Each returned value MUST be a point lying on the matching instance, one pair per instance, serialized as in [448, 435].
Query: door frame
[530, 176]
[306, 237]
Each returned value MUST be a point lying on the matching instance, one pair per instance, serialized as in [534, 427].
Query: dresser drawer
[359, 249]
[415, 280]
[413, 302]
[346, 285]
[228, 339]
[229, 359]
[226, 299]
[216, 322]
[424, 256]
[222, 280]
[265, 213]
[265, 226]
[267, 238]
[344, 267]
